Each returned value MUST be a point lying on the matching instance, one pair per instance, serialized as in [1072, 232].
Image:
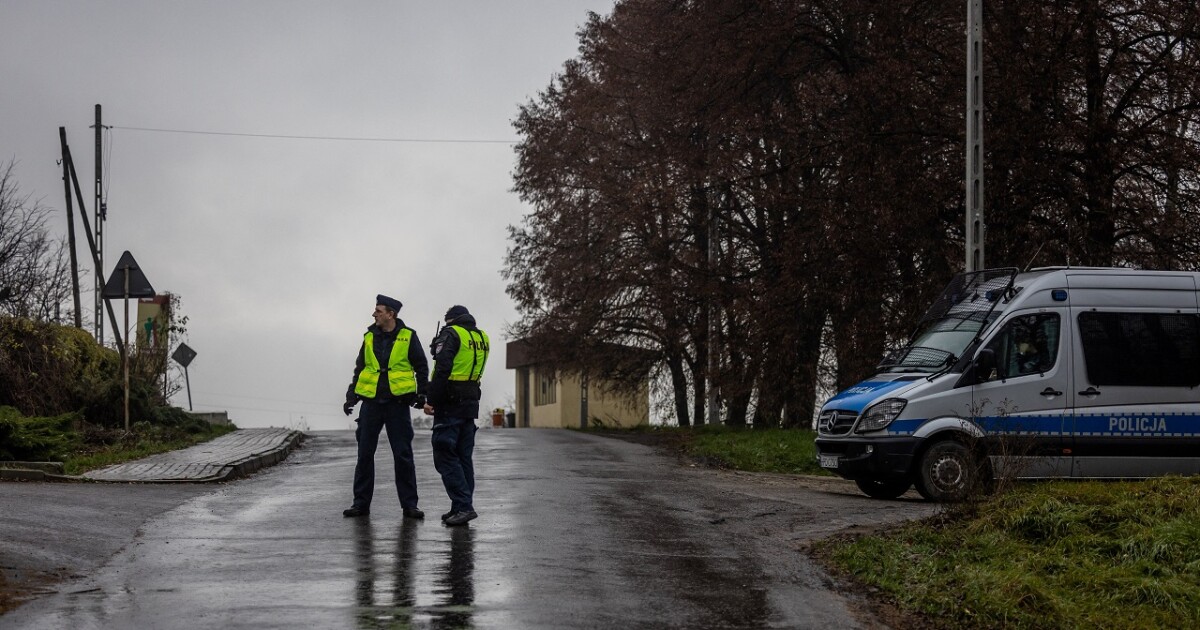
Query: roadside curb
[226, 471]
[226, 458]
[258, 461]
[30, 471]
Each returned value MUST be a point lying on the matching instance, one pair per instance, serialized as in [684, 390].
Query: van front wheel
[890, 489]
[947, 472]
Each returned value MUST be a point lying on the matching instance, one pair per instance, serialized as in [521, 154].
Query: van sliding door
[1137, 368]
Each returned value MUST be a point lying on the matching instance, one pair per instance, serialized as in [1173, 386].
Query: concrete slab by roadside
[230, 456]
[30, 471]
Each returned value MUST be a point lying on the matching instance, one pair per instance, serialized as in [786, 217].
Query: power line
[298, 137]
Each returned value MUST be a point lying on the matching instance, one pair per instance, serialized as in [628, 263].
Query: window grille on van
[971, 295]
[835, 422]
[917, 356]
[965, 304]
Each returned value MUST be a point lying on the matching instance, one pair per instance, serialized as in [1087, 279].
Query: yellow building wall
[615, 410]
[611, 410]
[544, 416]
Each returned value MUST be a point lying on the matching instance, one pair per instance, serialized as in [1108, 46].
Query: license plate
[829, 461]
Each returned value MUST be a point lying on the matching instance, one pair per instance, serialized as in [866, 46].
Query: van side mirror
[985, 363]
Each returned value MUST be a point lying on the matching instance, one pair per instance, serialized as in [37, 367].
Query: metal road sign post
[183, 355]
[127, 281]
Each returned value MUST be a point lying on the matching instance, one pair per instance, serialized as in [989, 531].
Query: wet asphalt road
[575, 531]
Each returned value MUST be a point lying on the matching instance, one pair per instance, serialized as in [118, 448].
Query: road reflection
[456, 581]
[391, 592]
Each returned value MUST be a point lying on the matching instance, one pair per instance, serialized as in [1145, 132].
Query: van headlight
[880, 414]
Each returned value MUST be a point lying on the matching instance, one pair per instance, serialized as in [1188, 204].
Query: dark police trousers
[371, 418]
[453, 445]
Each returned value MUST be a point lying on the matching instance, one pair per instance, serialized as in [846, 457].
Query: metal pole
[87, 230]
[713, 413]
[126, 349]
[100, 216]
[62, 139]
[189, 387]
[975, 229]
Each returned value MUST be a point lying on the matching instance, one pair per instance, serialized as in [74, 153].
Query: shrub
[36, 438]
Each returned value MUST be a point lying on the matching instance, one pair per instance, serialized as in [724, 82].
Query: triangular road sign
[139, 286]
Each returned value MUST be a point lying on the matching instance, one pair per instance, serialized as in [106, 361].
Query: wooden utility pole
[62, 140]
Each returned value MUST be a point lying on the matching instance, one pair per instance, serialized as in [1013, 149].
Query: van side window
[1157, 349]
[1028, 344]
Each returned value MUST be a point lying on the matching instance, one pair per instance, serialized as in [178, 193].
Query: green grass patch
[759, 450]
[142, 441]
[1046, 555]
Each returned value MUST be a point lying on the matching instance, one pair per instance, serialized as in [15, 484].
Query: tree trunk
[679, 390]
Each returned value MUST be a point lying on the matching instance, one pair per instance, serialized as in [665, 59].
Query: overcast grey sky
[278, 246]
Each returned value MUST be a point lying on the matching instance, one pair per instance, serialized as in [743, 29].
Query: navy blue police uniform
[455, 407]
[386, 409]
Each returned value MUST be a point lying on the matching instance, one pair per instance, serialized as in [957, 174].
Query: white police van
[1057, 372]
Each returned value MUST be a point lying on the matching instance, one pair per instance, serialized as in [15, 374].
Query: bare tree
[35, 279]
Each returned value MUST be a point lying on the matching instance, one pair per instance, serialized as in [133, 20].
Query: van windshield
[941, 342]
[966, 306]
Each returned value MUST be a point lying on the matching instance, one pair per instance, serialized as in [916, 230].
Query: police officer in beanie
[390, 376]
[460, 353]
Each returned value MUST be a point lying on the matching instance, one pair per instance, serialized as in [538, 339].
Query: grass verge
[789, 451]
[1045, 555]
[141, 442]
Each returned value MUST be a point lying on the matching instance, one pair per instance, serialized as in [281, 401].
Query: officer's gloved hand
[349, 407]
[419, 403]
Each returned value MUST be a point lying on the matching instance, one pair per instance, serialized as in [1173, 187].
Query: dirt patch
[18, 587]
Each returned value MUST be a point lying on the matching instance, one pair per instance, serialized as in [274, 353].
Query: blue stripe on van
[905, 427]
[1085, 425]
[1050, 424]
[1138, 424]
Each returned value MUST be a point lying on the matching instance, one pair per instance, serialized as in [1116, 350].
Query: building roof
[519, 353]
[524, 352]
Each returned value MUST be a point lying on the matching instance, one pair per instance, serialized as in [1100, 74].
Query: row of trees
[794, 170]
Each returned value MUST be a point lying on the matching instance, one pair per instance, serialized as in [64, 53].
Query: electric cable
[302, 137]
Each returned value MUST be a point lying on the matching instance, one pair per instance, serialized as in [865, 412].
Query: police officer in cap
[390, 376]
[460, 353]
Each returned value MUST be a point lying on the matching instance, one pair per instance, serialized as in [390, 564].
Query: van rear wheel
[889, 489]
[947, 472]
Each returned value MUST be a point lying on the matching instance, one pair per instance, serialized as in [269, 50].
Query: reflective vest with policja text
[401, 377]
[473, 348]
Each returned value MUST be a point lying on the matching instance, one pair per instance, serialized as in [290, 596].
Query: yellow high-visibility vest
[401, 377]
[473, 348]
